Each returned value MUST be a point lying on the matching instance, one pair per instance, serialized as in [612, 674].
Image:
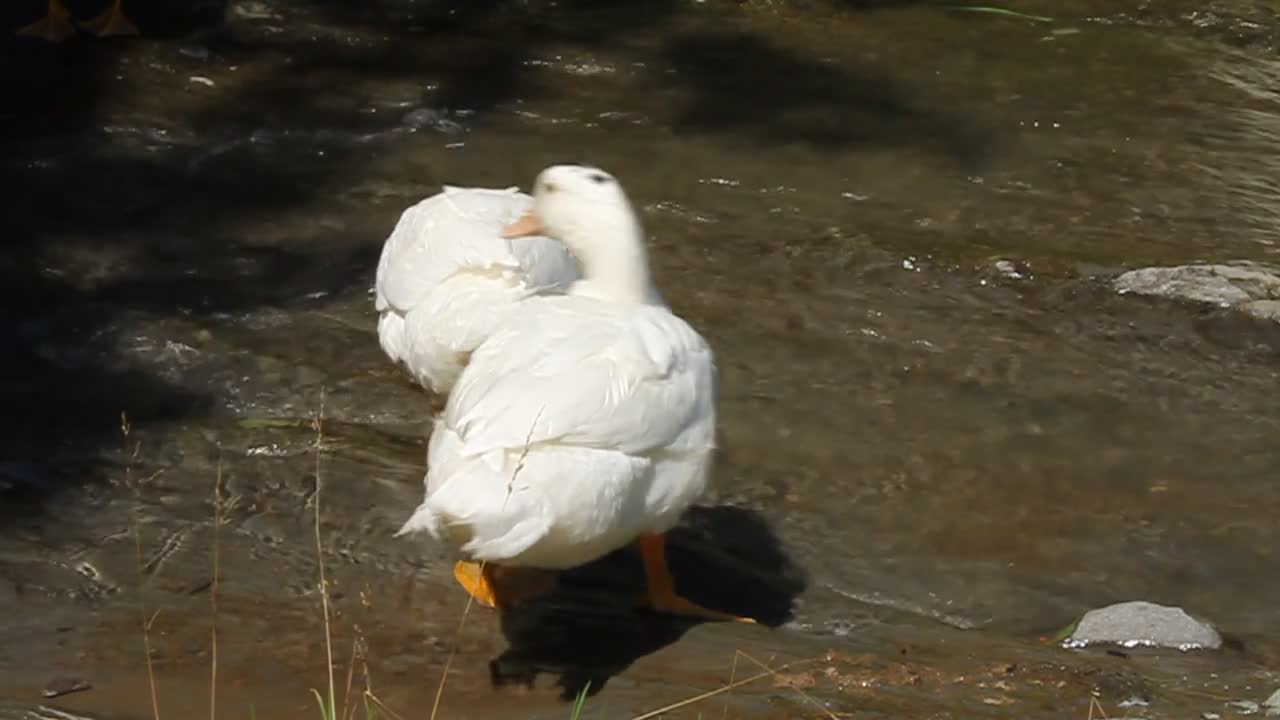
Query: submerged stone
[1140, 623]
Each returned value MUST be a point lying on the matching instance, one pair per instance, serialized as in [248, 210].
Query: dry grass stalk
[808, 698]
[370, 697]
[721, 690]
[213, 593]
[126, 430]
[324, 582]
[466, 610]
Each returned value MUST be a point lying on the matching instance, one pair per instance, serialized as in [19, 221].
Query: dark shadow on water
[142, 195]
[743, 83]
[105, 230]
[724, 558]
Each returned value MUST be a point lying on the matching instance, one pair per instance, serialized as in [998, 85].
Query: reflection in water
[727, 78]
[723, 558]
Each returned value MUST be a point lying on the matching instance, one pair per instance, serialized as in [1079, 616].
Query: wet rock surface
[1140, 623]
[1251, 288]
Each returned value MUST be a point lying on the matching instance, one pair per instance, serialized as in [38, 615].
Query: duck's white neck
[614, 267]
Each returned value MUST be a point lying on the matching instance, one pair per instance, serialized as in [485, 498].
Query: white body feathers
[607, 411]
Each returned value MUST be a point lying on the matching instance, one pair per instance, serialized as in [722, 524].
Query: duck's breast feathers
[454, 230]
[576, 371]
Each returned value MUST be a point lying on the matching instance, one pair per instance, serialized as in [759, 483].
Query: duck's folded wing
[556, 377]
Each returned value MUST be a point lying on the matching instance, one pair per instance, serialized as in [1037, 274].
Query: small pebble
[1006, 267]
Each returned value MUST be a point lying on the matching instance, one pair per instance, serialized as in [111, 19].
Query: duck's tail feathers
[497, 527]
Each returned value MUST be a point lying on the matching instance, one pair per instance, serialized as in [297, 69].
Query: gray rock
[1250, 287]
[1139, 623]
[1263, 309]
[1272, 704]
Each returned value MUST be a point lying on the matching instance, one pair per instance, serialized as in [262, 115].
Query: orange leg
[477, 580]
[662, 586]
[482, 580]
[54, 27]
[112, 21]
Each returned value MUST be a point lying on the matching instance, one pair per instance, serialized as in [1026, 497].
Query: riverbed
[944, 436]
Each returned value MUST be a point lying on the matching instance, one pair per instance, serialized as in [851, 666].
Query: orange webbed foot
[662, 585]
[111, 21]
[54, 27]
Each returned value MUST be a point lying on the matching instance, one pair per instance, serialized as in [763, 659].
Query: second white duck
[447, 276]
[585, 421]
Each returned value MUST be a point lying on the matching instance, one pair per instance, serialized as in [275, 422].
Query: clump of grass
[327, 704]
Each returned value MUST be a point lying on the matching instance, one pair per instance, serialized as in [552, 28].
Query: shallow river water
[944, 437]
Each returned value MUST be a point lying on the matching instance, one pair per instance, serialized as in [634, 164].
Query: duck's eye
[548, 187]
[599, 178]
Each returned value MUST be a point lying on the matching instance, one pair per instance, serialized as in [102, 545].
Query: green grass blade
[578, 703]
[326, 713]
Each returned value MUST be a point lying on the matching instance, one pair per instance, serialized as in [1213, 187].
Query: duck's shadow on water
[594, 625]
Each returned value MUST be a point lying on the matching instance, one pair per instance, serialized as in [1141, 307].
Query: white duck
[585, 421]
[447, 276]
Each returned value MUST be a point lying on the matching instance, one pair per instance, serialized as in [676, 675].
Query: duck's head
[578, 205]
[586, 209]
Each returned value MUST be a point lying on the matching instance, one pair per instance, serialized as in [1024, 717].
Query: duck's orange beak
[528, 224]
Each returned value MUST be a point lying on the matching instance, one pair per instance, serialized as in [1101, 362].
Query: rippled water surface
[944, 437]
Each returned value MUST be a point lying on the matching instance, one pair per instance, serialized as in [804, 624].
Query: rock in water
[1272, 704]
[1136, 623]
[1264, 309]
[1249, 287]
